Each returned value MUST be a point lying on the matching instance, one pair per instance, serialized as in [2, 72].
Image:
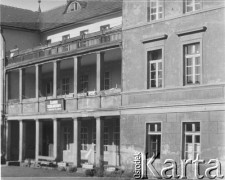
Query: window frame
[65, 85]
[82, 82]
[153, 48]
[194, 9]
[83, 145]
[148, 5]
[183, 143]
[109, 79]
[189, 42]
[68, 137]
[153, 133]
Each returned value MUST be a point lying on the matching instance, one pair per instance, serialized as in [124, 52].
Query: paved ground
[25, 173]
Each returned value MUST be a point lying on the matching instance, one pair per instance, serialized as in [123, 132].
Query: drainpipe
[2, 89]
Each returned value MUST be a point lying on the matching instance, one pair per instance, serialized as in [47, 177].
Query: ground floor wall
[178, 132]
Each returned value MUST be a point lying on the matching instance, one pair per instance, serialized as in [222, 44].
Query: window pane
[188, 127]
[197, 61]
[197, 70]
[153, 17]
[197, 127]
[197, 48]
[189, 9]
[197, 6]
[189, 2]
[188, 139]
[153, 83]
[152, 127]
[189, 61]
[153, 10]
[189, 79]
[189, 71]
[160, 65]
[197, 139]
[153, 66]
[160, 83]
[153, 75]
[160, 74]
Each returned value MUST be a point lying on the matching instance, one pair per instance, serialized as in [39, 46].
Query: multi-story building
[80, 87]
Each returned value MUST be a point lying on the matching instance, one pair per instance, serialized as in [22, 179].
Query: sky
[33, 4]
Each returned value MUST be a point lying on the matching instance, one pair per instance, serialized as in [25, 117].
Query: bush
[71, 169]
[61, 168]
[89, 172]
[99, 172]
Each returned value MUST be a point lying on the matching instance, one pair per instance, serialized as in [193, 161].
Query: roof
[57, 17]
[17, 17]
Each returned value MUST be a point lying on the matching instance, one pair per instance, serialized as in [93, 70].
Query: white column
[22, 133]
[99, 70]
[8, 140]
[37, 140]
[76, 140]
[99, 142]
[56, 136]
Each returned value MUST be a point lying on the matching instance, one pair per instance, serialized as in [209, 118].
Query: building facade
[97, 81]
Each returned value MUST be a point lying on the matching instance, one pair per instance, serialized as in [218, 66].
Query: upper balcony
[74, 46]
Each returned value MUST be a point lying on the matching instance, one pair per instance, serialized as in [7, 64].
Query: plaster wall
[135, 52]
[212, 128]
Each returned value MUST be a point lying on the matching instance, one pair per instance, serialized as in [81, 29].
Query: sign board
[55, 105]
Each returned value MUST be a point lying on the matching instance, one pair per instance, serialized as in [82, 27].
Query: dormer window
[74, 6]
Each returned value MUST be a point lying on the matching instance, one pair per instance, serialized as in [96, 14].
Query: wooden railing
[88, 40]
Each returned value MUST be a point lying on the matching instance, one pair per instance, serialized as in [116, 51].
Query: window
[116, 132]
[104, 27]
[155, 10]
[192, 5]
[65, 37]
[94, 136]
[192, 62]
[48, 41]
[67, 138]
[49, 88]
[191, 140]
[84, 83]
[65, 86]
[155, 71]
[84, 138]
[106, 137]
[74, 6]
[106, 80]
[153, 139]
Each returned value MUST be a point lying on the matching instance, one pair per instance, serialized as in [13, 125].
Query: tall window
[155, 10]
[65, 86]
[94, 136]
[84, 83]
[49, 88]
[155, 69]
[116, 132]
[106, 137]
[192, 64]
[191, 140]
[192, 5]
[67, 138]
[106, 80]
[84, 138]
[153, 139]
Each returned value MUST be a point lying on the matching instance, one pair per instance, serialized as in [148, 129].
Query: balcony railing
[88, 40]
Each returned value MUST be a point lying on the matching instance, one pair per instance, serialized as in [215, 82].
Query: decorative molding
[191, 31]
[154, 38]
